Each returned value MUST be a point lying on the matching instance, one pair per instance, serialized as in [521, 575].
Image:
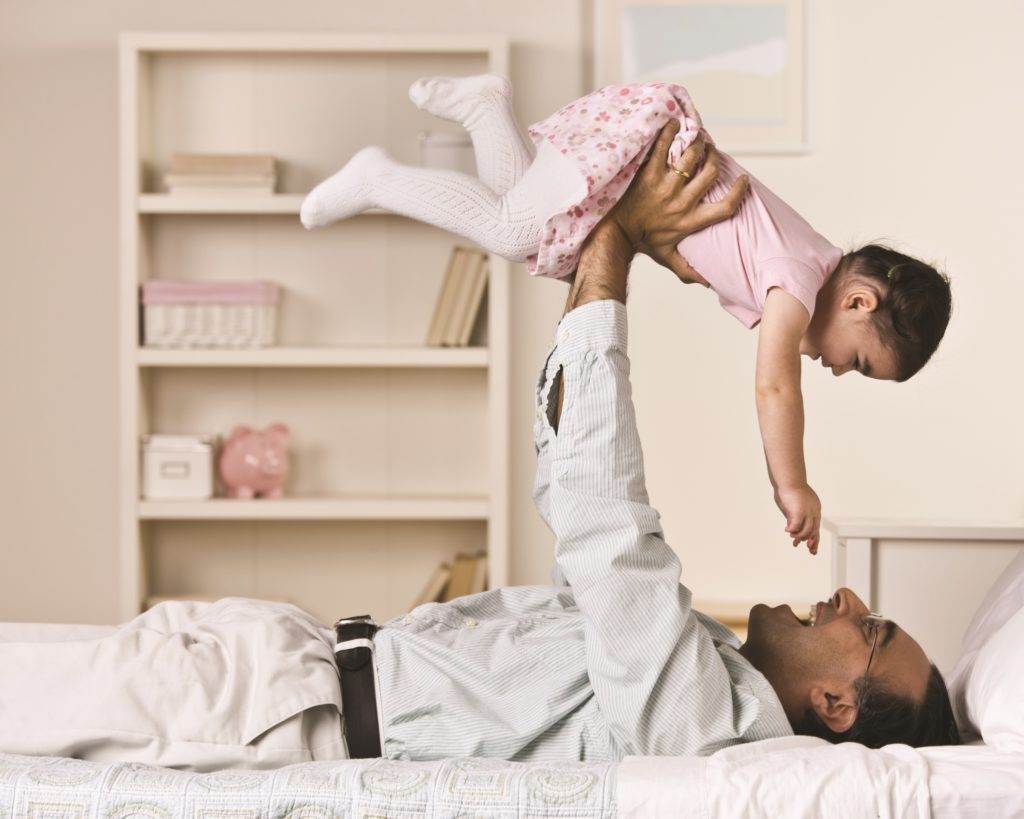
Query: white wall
[58, 92]
[914, 114]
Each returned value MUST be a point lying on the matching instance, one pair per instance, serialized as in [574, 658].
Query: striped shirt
[613, 663]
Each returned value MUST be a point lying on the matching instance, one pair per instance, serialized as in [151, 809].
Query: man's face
[815, 666]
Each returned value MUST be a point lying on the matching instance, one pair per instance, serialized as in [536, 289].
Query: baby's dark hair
[914, 304]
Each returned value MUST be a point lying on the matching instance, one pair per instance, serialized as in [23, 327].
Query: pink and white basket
[209, 314]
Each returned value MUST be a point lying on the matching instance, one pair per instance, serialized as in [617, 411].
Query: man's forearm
[604, 266]
[603, 273]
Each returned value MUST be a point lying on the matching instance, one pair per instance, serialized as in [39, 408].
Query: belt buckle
[359, 618]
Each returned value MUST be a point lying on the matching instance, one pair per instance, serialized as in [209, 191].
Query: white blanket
[793, 777]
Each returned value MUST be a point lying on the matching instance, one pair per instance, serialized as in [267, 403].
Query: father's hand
[661, 206]
[657, 210]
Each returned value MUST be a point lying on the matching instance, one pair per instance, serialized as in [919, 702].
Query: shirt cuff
[597, 326]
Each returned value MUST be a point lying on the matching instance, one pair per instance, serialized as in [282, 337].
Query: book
[435, 333]
[479, 583]
[221, 173]
[446, 308]
[234, 164]
[221, 190]
[463, 568]
[476, 296]
[461, 280]
[435, 586]
[224, 180]
[185, 183]
[461, 302]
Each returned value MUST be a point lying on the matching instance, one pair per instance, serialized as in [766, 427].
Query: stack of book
[467, 574]
[460, 299]
[221, 174]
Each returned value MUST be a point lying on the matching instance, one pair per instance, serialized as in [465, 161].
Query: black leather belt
[358, 671]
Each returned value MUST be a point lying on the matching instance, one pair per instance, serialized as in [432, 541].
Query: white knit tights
[501, 211]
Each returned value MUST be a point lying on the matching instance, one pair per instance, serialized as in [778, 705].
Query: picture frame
[744, 62]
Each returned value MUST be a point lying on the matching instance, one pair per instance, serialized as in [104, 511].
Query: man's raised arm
[657, 675]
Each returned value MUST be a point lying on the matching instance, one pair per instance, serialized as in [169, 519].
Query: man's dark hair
[887, 718]
[914, 305]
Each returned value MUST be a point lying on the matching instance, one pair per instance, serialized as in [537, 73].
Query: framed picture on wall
[743, 62]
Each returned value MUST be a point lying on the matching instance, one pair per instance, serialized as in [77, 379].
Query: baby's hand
[802, 508]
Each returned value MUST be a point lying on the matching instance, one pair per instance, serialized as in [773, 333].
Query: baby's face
[842, 336]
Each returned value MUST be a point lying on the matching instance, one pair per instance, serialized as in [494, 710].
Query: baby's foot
[461, 99]
[346, 193]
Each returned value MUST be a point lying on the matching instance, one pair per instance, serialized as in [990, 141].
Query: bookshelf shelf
[369, 507]
[274, 204]
[355, 357]
[369, 406]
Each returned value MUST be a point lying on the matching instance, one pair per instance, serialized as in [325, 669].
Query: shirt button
[408, 619]
[470, 622]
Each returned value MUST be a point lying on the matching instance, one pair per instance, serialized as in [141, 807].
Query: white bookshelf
[348, 508]
[279, 203]
[394, 357]
[399, 451]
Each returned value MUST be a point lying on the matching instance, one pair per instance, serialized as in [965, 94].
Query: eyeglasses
[874, 621]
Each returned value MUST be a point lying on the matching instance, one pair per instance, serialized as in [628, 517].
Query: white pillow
[1003, 601]
[995, 689]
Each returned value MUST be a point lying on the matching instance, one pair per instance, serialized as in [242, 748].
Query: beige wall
[914, 114]
[914, 117]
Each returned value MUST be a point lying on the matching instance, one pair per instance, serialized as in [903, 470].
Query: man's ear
[836, 706]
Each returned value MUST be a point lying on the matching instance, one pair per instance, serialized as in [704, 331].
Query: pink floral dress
[609, 133]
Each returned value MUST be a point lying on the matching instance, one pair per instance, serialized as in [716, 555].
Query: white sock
[347, 192]
[504, 224]
[482, 104]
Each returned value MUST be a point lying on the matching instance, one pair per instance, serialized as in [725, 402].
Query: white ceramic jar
[453, 152]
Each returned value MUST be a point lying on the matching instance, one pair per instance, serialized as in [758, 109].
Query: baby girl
[872, 310]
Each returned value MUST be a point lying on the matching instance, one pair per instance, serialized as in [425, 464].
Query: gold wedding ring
[683, 174]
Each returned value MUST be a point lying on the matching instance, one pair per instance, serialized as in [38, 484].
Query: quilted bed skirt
[73, 789]
[794, 777]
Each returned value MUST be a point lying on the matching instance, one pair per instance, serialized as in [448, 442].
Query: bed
[787, 777]
[792, 777]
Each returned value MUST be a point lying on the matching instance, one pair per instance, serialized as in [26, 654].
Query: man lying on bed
[615, 662]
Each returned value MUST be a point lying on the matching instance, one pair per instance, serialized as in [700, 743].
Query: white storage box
[209, 314]
[177, 467]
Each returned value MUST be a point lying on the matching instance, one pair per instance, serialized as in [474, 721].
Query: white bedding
[804, 777]
[782, 779]
[975, 781]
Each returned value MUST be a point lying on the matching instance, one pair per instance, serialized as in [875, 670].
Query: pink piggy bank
[255, 462]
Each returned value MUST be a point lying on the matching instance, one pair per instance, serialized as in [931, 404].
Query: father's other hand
[661, 207]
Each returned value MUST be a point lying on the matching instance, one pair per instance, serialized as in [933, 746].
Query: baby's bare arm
[780, 413]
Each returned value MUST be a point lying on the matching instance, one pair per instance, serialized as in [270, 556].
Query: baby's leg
[507, 224]
[482, 104]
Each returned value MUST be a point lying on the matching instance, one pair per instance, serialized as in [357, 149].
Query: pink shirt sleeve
[796, 277]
